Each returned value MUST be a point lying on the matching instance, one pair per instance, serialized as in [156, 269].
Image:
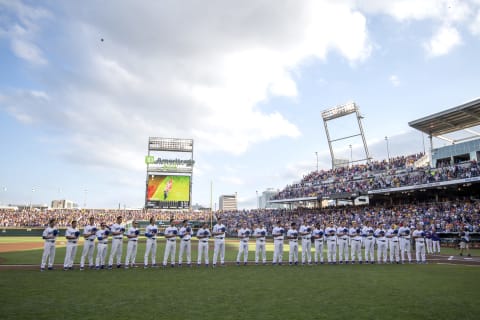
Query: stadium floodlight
[339, 111]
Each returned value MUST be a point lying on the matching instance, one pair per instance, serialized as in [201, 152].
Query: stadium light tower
[388, 150]
[338, 112]
[85, 198]
[31, 198]
[316, 153]
[351, 155]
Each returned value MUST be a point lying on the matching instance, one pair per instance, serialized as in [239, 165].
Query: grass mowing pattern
[264, 292]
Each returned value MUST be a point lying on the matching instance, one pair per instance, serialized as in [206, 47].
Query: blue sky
[247, 80]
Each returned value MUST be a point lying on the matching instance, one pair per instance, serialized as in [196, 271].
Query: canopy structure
[462, 117]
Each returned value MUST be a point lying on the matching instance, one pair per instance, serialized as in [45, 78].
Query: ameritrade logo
[149, 159]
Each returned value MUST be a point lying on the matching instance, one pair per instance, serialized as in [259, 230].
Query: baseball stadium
[368, 239]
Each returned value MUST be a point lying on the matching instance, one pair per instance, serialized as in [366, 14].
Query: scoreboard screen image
[168, 188]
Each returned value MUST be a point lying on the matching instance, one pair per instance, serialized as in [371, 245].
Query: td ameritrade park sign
[171, 163]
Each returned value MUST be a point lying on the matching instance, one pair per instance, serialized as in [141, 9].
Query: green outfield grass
[264, 292]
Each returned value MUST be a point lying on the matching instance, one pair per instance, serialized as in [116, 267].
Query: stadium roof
[455, 119]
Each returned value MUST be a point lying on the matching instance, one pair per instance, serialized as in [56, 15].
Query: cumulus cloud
[444, 40]
[475, 25]
[449, 15]
[20, 24]
[192, 71]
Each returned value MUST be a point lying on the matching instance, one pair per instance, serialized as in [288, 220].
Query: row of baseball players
[336, 238]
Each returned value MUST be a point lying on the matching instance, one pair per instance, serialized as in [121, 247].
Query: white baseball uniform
[185, 234]
[306, 235]
[219, 248]
[170, 245]
[355, 244]
[202, 235]
[71, 249]
[369, 242]
[260, 247]
[117, 244]
[392, 235]
[330, 234]
[342, 241]
[429, 241]
[382, 244]
[151, 246]
[405, 244]
[50, 236]
[132, 245]
[88, 245]
[278, 236]
[292, 236]
[419, 236]
[244, 235]
[319, 239]
[102, 247]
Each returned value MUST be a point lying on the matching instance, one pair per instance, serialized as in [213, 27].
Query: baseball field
[448, 287]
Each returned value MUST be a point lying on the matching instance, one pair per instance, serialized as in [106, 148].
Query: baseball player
[185, 234]
[117, 230]
[203, 234]
[392, 235]
[319, 238]
[405, 244]
[132, 244]
[71, 234]
[292, 236]
[278, 236]
[355, 243]
[102, 246]
[381, 240]
[151, 232]
[369, 242]
[428, 241]
[244, 236]
[89, 245]
[342, 241]
[306, 235]
[464, 241]
[330, 234]
[435, 241]
[260, 247]
[219, 236]
[419, 236]
[171, 244]
[49, 236]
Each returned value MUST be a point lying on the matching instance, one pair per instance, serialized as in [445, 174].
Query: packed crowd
[376, 175]
[63, 217]
[444, 216]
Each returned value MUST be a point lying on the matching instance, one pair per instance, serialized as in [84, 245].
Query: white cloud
[405, 10]
[394, 80]
[202, 79]
[21, 24]
[475, 25]
[28, 51]
[445, 39]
